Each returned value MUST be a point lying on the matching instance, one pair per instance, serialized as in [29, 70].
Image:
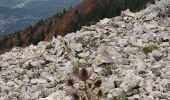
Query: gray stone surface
[110, 50]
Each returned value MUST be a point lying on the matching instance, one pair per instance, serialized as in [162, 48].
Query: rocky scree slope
[86, 13]
[125, 57]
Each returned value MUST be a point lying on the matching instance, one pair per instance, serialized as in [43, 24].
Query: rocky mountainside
[126, 57]
[86, 13]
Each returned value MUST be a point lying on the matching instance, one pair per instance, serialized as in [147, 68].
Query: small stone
[125, 61]
[156, 69]
[116, 92]
[151, 15]
[128, 13]
[123, 42]
[103, 58]
[78, 47]
[36, 81]
[85, 55]
[117, 84]
[168, 86]
[104, 21]
[37, 63]
[157, 57]
[109, 96]
[140, 66]
[19, 70]
[108, 84]
[135, 91]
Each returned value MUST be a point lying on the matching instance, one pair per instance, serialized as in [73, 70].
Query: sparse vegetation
[120, 98]
[87, 92]
[149, 48]
[77, 66]
[49, 46]
[107, 70]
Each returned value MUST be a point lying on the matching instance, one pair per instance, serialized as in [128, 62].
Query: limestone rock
[131, 80]
[132, 50]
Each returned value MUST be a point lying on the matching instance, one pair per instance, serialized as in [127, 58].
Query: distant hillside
[86, 13]
[17, 14]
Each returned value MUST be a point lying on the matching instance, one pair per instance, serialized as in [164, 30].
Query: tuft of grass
[75, 70]
[49, 46]
[120, 98]
[148, 49]
[108, 70]
[81, 40]
[76, 66]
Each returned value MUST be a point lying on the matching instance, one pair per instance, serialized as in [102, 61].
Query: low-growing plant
[75, 70]
[148, 49]
[120, 98]
[76, 66]
[49, 46]
[107, 70]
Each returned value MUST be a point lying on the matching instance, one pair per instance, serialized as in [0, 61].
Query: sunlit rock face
[124, 57]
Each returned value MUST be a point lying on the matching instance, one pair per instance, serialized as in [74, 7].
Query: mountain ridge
[86, 13]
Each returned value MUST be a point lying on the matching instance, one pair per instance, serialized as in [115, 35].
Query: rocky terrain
[122, 58]
[87, 12]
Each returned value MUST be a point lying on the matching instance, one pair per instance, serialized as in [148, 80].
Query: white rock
[131, 80]
[78, 47]
[140, 66]
[58, 95]
[109, 96]
[151, 15]
[37, 63]
[84, 55]
[123, 42]
[103, 57]
[104, 21]
[108, 85]
[117, 92]
[128, 13]
[35, 81]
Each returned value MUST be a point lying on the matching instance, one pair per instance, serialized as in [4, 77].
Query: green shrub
[49, 46]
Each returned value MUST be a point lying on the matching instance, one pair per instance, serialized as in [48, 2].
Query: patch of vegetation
[86, 93]
[149, 48]
[49, 46]
[107, 70]
[77, 65]
[120, 98]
